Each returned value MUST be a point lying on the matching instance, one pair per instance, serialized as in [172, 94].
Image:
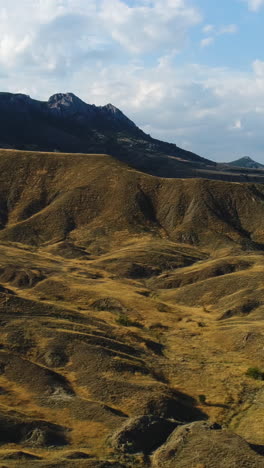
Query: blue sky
[241, 48]
[186, 71]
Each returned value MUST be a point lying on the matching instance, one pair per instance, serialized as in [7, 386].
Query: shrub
[255, 373]
[202, 399]
[124, 320]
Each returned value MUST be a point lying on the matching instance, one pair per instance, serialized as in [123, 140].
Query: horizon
[174, 67]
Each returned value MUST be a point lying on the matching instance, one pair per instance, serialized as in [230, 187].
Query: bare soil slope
[130, 307]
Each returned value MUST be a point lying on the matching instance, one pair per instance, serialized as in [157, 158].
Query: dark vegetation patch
[139, 271]
[158, 326]
[21, 340]
[77, 455]
[125, 321]
[110, 304]
[55, 356]
[255, 373]
[21, 277]
[241, 310]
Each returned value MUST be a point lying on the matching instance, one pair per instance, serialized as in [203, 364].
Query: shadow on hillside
[257, 448]
[217, 405]
[173, 404]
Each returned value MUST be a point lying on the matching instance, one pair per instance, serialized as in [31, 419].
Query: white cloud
[148, 25]
[207, 41]
[258, 66]
[208, 28]
[212, 32]
[237, 125]
[228, 29]
[218, 31]
[106, 50]
[255, 5]
[52, 35]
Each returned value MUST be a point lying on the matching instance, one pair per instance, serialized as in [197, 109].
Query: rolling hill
[131, 310]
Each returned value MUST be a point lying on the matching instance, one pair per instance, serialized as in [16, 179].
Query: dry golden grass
[120, 289]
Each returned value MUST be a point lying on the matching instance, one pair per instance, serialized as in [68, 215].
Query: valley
[131, 310]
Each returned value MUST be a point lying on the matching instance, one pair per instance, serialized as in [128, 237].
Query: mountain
[131, 312]
[67, 124]
[247, 162]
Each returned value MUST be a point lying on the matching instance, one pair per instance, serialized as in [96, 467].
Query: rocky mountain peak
[65, 102]
[110, 108]
[117, 115]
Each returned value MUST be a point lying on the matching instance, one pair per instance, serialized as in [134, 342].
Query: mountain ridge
[66, 124]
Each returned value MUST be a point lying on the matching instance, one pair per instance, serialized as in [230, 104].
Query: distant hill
[247, 162]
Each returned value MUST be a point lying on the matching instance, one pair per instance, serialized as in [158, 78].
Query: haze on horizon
[186, 71]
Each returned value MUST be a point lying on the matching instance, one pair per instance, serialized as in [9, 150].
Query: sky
[189, 72]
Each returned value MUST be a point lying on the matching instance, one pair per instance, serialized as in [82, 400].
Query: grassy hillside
[47, 198]
[130, 306]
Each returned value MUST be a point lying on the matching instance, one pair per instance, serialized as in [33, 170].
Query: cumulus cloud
[149, 24]
[48, 34]
[127, 53]
[52, 34]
